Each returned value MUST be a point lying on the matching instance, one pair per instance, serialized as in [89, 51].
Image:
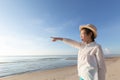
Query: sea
[11, 65]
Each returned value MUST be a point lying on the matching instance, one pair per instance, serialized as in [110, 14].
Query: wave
[14, 65]
[30, 60]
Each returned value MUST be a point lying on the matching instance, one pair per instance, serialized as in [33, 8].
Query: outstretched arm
[67, 41]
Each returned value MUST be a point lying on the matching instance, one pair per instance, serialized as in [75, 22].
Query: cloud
[107, 51]
[30, 36]
[12, 44]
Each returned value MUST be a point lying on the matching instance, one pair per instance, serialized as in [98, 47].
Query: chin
[84, 41]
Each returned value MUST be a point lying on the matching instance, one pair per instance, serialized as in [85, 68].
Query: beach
[67, 73]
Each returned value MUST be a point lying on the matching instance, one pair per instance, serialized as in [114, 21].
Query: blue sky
[27, 25]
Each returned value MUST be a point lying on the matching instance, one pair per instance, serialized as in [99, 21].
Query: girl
[91, 65]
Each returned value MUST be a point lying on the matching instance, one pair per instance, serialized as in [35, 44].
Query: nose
[81, 36]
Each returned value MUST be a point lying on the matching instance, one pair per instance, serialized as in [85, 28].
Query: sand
[67, 73]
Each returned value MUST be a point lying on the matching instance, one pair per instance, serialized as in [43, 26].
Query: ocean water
[10, 65]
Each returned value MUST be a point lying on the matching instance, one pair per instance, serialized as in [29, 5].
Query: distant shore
[67, 73]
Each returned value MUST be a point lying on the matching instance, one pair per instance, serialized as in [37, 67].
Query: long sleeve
[101, 63]
[72, 43]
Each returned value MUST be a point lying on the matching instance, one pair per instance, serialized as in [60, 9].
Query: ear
[90, 34]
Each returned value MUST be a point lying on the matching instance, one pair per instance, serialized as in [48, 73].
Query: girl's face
[84, 36]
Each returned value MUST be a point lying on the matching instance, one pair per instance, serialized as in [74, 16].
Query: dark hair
[88, 31]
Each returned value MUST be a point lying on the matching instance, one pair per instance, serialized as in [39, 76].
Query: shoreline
[53, 74]
[67, 73]
[38, 70]
[11, 66]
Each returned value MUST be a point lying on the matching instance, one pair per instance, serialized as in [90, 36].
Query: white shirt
[91, 65]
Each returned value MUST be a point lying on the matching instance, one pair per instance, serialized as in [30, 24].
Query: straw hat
[91, 27]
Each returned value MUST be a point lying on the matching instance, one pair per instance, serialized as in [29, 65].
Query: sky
[27, 25]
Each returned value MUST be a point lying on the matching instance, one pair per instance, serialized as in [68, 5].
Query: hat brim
[94, 32]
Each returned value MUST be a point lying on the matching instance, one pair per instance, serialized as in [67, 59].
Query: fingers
[53, 39]
[56, 38]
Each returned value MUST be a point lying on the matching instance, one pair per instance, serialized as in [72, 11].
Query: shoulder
[97, 44]
[98, 48]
